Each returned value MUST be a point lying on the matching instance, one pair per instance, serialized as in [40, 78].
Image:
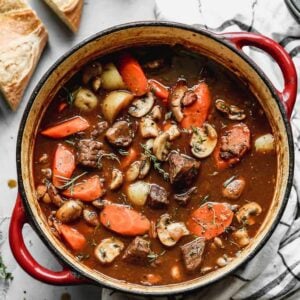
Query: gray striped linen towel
[274, 273]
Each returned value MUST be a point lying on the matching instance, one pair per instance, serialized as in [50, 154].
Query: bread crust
[22, 40]
[69, 11]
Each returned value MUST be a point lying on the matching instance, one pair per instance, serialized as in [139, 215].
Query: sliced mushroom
[116, 180]
[41, 191]
[264, 143]
[203, 141]
[55, 197]
[114, 102]
[133, 171]
[148, 128]
[108, 250]
[145, 167]
[91, 217]
[234, 188]
[111, 78]
[91, 71]
[231, 111]
[100, 203]
[241, 237]
[174, 132]
[85, 100]
[138, 192]
[149, 144]
[246, 213]
[141, 106]
[176, 95]
[156, 113]
[161, 146]
[189, 98]
[169, 233]
[69, 211]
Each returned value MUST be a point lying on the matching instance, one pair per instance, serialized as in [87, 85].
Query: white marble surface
[97, 15]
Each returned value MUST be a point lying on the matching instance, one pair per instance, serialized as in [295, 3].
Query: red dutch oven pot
[227, 50]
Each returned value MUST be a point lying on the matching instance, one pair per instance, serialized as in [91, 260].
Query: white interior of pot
[155, 35]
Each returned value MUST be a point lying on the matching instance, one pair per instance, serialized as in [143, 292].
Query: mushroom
[148, 128]
[111, 78]
[203, 141]
[116, 180]
[99, 203]
[241, 237]
[245, 213]
[114, 102]
[149, 144]
[173, 131]
[169, 233]
[69, 211]
[138, 192]
[234, 188]
[141, 106]
[144, 167]
[155, 113]
[176, 95]
[85, 100]
[264, 143]
[189, 98]
[91, 217]
[91, 71]
[108, 250]
[223, 260]
[41, 191]
[231, 111]
[133, 171]
[161, 146]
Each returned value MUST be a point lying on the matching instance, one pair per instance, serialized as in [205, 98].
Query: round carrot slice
[210, 220]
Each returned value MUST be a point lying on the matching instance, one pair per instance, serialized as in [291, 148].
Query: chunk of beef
[192, 254]
[158, 196]
[183, 168]
[99, 129]
[120, 134]
[88, 153]
[175, 97]
[137, 251]
[235, 142]
[183, 199]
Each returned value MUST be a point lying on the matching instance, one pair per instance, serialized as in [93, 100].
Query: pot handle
[277, 52]
[25, 259]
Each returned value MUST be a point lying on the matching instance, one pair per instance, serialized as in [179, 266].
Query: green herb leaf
[152, 256]
[69, 182]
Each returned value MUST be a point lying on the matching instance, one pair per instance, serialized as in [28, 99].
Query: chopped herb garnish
[156, 163]
[229, 180]
[3, 271]
[69, 182]
[123, 152]
[204, 199]
[152, 256]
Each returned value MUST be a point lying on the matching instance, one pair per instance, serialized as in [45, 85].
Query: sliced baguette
[69, 11]
[22, 40]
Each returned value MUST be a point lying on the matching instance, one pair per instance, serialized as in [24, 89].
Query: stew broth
[256, 168]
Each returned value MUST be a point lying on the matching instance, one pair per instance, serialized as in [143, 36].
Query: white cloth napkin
[274, 273]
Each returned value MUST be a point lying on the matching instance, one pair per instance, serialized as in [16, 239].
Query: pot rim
[220, 39]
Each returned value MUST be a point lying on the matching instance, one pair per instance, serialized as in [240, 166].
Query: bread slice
[69, 11]
[22, 40]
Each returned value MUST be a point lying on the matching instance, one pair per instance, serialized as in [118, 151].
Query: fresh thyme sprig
[156, 163]
[4, 275]
[111, 156]
[69, 182]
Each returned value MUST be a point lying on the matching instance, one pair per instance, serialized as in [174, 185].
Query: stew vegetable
[155, 165]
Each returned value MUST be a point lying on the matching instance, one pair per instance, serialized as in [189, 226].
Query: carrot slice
[63, 165]
[159, 90]
[129, 158]
[73, 237]
[196, 114]
[133, 74]
[87, 190]
[210, 220]
[124, 220]
[66, 128]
